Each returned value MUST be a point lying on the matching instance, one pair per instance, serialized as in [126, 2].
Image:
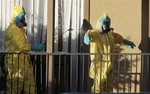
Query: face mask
[22, 23]
[104, 25]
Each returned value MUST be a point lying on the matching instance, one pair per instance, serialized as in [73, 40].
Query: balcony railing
[69, 72]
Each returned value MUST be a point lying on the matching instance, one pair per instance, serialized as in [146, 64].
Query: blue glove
[87, 39]
[130, 44]
[38, 47]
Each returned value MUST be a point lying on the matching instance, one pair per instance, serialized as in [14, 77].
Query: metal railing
[69, 72]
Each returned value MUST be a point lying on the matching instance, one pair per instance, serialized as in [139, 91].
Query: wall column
[49, 43]
[144, 45]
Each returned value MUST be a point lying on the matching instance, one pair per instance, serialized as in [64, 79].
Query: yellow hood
[17, 13]
[103, 16]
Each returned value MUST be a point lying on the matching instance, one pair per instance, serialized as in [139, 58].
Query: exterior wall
[125, 18]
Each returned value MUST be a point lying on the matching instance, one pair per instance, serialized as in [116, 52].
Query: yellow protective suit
[101, 65]
[20, 76]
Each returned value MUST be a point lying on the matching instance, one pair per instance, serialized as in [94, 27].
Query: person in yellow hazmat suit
[103, 40]
[20, 77]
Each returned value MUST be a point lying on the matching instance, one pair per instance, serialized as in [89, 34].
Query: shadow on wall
[126, 72]
[85, 27]
[86, 49]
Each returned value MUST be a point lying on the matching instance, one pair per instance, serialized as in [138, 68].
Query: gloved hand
[130, 44]
[87, 39]
[38, 47]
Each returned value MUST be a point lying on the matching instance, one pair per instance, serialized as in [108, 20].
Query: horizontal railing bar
[66, 53]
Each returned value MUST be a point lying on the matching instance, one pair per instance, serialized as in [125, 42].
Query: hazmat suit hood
[18, 14]
[103, 23]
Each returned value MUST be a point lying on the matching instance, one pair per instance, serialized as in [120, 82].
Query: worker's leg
[107, 84]
[20, 76]
[29, 82]
[103, 84]
[14, 85]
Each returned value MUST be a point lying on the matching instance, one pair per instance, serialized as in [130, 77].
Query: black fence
[70, 72]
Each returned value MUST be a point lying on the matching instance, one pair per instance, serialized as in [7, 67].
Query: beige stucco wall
[125, 17]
